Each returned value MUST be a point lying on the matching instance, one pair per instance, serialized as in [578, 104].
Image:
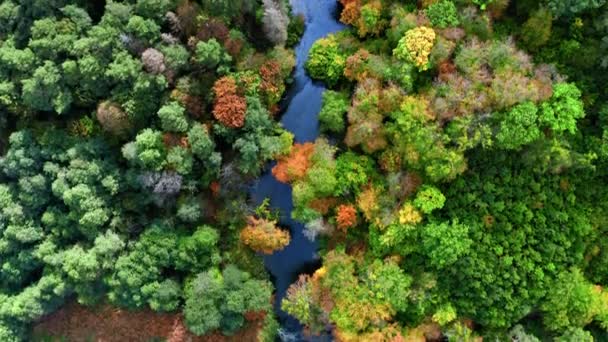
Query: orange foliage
[322, 205]
[215, 188]
[351, 12]
[225, 86]
[229, 108]
[346, 216]
[263, 236]
[294, 166]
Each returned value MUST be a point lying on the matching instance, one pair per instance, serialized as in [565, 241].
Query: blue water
[300, 118]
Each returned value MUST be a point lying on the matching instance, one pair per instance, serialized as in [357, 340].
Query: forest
[457, 191]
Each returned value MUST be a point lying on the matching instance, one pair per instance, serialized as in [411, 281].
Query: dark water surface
[300, 118]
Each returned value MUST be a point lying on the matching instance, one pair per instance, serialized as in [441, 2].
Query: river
[301, 118]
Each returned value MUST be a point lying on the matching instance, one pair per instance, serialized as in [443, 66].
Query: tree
[275, 21]
[442, 14]
[154, 61]
[173, 118]
[219, 300]
[325, 61]
[563, 109]
[445, 242]
[43, 91]
[519, 127]
[148, 150]
[211, 54]
[571, 302]
[346, 217]
[229, 107]
[428, 199]
[569, 8]
[415, 47]
[331, 116]
[264, 236]
[536, 31]
[293, 167]
[112, 118]
[353, 171]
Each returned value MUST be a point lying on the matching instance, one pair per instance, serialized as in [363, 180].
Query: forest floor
[76, 323]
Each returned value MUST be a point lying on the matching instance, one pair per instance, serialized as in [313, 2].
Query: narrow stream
[300, 118]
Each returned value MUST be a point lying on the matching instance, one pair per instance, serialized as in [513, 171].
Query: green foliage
[571, 302]
[511, 218]
[331, 116]
[443, 14]
[211, 54]
[353, 172]
[445, 243]
[563, 109]
[536, 31]
[217, 300]
[148, 150]
[173, 118]
[43, 90]
[325, 61]
[519, 127]
[428, 199]
[568, 8]
[575, 334]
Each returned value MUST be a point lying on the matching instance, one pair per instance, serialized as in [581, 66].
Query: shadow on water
[300, 118]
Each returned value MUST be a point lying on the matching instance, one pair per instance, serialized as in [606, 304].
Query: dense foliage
[129, 130]
[458, 188]
[466, 199]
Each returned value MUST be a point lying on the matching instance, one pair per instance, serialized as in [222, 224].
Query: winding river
[301, 118]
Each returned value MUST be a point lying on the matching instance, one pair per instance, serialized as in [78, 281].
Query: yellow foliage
[416, 46]
[368, 203]
[264, 236]
[409, 214]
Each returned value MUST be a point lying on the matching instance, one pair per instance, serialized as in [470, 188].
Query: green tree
[519, 126]
[219, 300]
[571, 302]
[43, 91]
[442, 14]
[211, 54]
[331, 116]
[564, 108]
[325, 61]
[428, 199]
[445, 243]
[173, 118]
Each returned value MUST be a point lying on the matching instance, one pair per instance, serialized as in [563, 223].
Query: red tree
[229, 107]
[346, 216]
[294, 165]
